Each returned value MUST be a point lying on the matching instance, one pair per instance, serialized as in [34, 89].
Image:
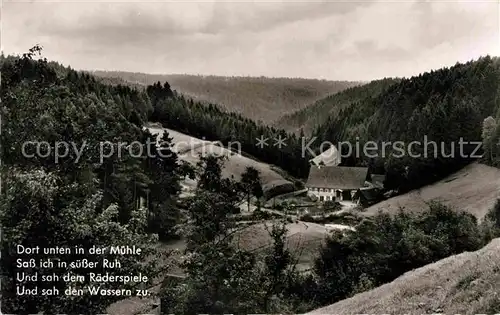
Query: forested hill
[443, 105]
[68, 193]
[257, 98]
[210, 122]
[308, 118]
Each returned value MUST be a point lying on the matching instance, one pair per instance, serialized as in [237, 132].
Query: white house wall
[327, 195]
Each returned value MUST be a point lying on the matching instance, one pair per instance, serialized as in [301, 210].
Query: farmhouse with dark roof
[336, 182]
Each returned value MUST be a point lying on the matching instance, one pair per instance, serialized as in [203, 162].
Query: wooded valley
[85, 200]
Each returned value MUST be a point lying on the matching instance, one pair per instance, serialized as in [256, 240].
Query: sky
[336, 40]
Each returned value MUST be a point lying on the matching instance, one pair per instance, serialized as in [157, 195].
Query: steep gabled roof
[337, 177]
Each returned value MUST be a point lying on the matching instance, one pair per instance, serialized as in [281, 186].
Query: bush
[332, 205]
[307, 218]
[359, 208]
[384, 247]
[312, 198]
[490, 227]
[494, 215]
[262, 215]
[276, 188]
[299, 185]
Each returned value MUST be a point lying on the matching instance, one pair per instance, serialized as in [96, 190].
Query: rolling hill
[258, 98]
[189, 148]
[467, 283]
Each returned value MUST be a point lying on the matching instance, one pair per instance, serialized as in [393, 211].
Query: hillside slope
[303, 239]
[317, 113]
[467, 283]
[474, 189]
[189, 148]
[258, 98]
[446, 106]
